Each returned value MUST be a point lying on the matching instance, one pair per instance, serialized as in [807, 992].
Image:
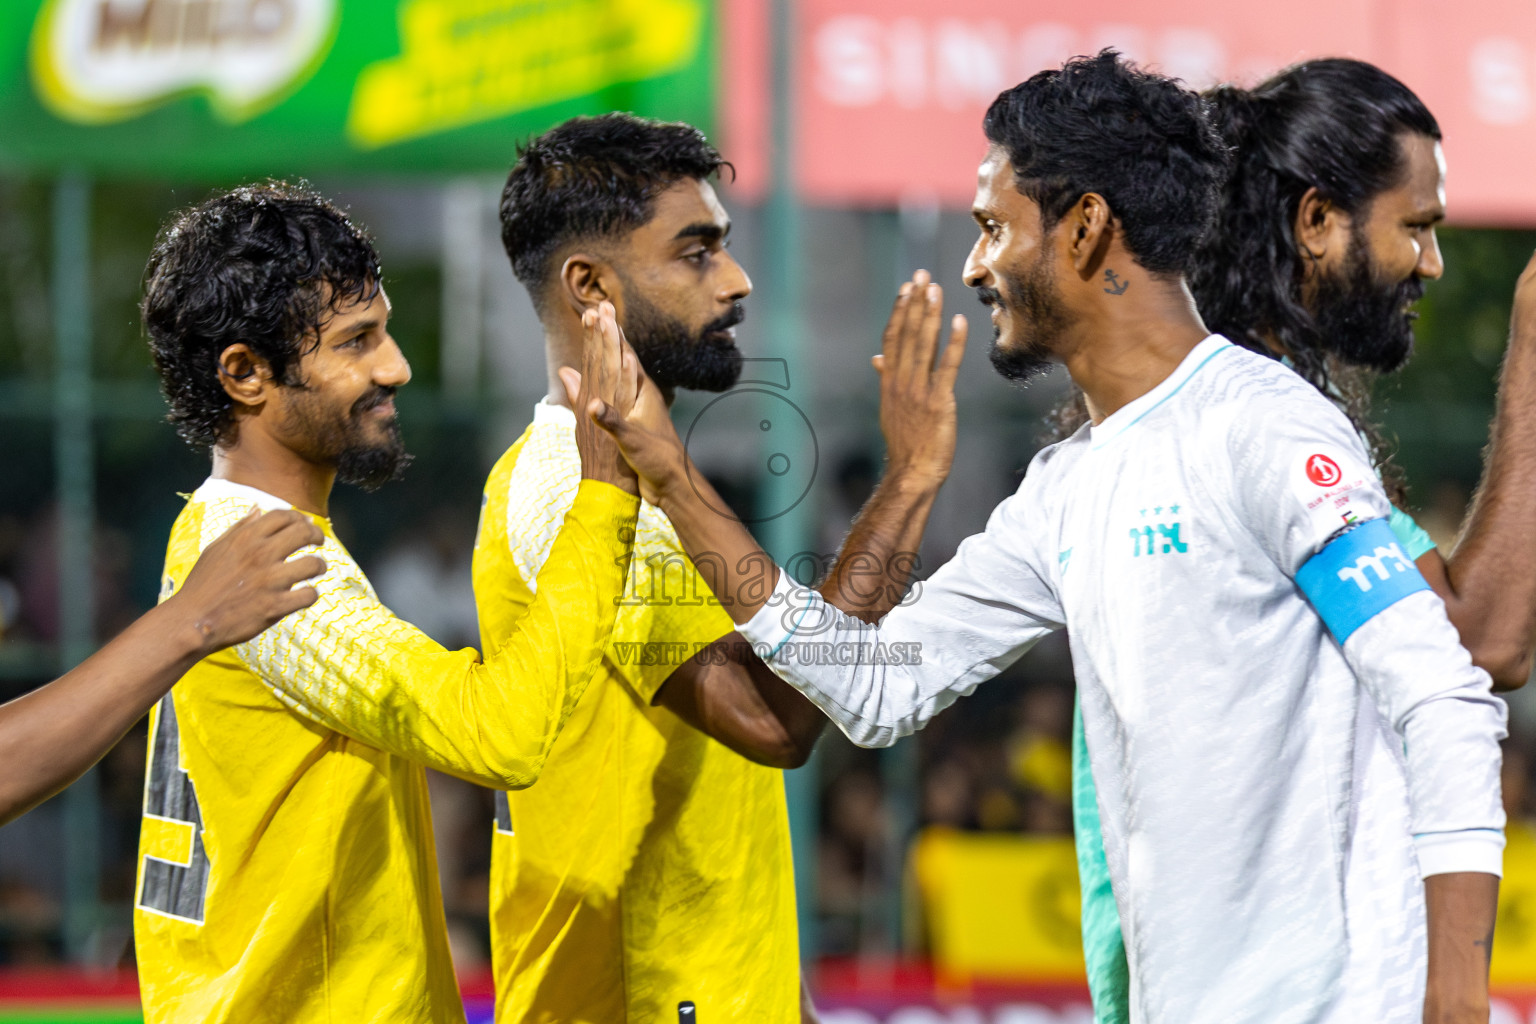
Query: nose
[1431, 265]
[975, 273]
[735, 285]
[391, 369]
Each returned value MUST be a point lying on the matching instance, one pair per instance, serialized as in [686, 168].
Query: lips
[380, 403]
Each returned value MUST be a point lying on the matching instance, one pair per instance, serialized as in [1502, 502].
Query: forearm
[1450, 725]
[748, 574]
[351, 665]
[728, 694]
[879, 555]
[49, 737]
[1461, 909]
[500, 729]
[1491, 574]
[875, 683]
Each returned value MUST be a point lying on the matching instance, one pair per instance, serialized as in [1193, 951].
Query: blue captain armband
[1357, 576]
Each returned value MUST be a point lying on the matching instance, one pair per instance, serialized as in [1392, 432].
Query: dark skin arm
[728, 693]
[1488, 582]
[241, 585]
[1461, 907]
[741, 702]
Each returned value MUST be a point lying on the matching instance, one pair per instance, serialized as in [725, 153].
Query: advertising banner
[241, 87]
[1000, 905]
[892, 92]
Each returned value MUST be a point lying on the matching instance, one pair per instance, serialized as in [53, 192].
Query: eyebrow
[705, 229]
[357, 327]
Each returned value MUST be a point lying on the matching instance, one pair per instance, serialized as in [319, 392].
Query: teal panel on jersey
[1410, 534]
[1103, 946]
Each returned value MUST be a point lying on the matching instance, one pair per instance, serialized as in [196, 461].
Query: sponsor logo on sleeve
[1333, 486]
[1323, 471]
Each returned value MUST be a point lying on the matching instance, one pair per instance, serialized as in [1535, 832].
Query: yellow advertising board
[1000, 906]
[1514, 938]
[1008, 906]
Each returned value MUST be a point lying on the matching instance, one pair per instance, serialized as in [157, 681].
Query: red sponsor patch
[1323, 471]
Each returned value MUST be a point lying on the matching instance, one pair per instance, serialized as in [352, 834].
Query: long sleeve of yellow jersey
[349, 664]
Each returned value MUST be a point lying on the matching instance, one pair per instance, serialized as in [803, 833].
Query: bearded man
[651, 876]
[286, 863]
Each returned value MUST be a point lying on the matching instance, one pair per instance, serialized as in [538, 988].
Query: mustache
[373, 399]
[989, 296]
[735, 315]
[1411, 290]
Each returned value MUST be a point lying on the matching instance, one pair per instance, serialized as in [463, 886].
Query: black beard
[340, 440]
[675, 357]
[1037, 317]
[1362, 321]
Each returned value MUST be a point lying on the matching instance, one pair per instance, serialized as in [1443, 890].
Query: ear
[587, 280]
[1320, 227]
[245, 376]
[1090, 230]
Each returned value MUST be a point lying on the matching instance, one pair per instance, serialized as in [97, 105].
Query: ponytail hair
[1334, 125]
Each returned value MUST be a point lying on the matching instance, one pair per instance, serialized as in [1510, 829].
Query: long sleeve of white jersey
[1305, 489]
[976, 616]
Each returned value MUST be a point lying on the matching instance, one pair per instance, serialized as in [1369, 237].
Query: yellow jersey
[286, 869]
[651, 866]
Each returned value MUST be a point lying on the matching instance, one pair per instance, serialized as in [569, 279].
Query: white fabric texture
[1260, 787]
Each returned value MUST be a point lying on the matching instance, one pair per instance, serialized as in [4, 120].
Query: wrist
[675, 488]
[187, 635]
[912, 482]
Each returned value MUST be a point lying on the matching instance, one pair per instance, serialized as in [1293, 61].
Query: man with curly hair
[1242, 619]
[287, 870]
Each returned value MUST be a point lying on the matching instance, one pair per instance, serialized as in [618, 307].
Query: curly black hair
[266, 265]
[593, 178]
[1333, 124]
[1140, 140]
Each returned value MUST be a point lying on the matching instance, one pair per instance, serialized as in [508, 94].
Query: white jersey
[1244, 631]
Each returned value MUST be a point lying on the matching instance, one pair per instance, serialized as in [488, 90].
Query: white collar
[1131, 412]
[547, 413]
[214, 489]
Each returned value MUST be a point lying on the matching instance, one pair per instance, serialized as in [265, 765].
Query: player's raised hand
[602, 379]
[637, 418]
[917, 392]
[244, 581]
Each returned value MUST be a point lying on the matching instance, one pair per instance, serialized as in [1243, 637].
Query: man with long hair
[1325, 236]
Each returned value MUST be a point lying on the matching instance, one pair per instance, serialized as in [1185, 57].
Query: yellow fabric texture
[286, 869]
[651, 866]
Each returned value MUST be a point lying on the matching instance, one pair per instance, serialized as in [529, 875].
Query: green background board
[66, 1015]
[654, 57]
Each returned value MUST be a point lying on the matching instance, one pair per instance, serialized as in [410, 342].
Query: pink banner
[891, 92]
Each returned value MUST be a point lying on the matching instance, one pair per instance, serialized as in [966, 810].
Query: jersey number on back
[176, 889]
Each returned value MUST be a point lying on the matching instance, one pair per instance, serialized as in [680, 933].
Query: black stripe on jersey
[174, 889]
